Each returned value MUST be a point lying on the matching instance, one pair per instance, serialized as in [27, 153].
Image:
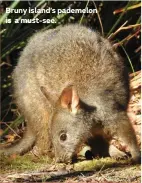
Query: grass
[23, 163]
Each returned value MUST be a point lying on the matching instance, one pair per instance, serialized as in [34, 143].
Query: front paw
[116, 153]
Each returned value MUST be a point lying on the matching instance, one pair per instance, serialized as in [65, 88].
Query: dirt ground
[104, 170]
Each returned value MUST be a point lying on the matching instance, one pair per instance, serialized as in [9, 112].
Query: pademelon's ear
[69, 99]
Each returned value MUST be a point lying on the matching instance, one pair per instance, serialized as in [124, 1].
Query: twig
[99, 19]
[129, 8]
[126, 39]
[4, 63]
[120, 17]
[138, 49]
[118, 30]
[12, 130]
[123, 28]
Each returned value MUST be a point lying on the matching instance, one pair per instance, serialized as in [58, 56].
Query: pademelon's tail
[22, 146]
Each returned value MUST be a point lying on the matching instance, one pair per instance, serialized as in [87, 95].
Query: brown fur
[70, 84]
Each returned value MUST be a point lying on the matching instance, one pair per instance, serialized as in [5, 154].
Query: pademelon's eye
[63, 136]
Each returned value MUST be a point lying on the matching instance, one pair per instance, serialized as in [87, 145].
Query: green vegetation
[23, 163]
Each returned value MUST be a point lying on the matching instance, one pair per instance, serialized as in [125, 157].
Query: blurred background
[119, 21]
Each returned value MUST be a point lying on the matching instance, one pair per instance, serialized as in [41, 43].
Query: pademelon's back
[75, 55]
[71, 51]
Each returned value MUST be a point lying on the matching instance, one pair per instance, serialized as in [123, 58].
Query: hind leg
[43, 145]
[126, 134]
